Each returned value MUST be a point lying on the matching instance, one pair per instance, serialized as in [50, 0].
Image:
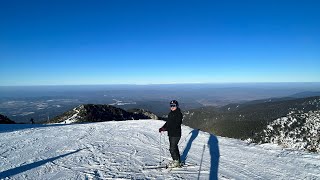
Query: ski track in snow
[121, 150]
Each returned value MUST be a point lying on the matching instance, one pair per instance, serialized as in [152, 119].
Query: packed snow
[124, 150]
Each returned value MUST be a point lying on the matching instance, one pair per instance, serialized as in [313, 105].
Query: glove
[161, 129]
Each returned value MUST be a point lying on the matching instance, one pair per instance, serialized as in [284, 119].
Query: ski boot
[174, 164]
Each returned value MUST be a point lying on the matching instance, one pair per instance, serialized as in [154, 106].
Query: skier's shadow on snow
[194, 135]
[23, 168]
[213, 145]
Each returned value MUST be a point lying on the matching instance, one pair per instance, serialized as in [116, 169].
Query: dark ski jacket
[173, 124]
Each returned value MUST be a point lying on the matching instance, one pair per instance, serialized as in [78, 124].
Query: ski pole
[160, 149]
[185, 138]
[204, 146]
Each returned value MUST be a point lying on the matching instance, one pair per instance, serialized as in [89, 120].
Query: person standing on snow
[173, 126]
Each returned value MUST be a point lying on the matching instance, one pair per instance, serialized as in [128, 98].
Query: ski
[183, 166]
[154, 167]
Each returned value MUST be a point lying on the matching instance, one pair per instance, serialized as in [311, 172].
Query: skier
[32, 121]
[173, 126]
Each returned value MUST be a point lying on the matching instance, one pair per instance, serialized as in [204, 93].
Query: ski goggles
[173, 105]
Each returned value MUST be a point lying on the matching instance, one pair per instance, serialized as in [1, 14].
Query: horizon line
[150, 84]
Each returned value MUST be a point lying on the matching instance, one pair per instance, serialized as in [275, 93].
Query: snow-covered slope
[297, 130]
[108, 150]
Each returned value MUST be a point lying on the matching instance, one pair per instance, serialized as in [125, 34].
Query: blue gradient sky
[141, 42]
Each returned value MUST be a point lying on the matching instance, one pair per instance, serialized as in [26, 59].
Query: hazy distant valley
[45, 102]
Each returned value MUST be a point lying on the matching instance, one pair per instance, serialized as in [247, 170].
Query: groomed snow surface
[121, 150]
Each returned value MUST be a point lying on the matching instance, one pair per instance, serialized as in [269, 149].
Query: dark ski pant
[174, 150]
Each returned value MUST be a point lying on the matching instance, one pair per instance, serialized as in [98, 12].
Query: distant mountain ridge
[144, 112]
[5, 120]
[100, 113]
[305, 94]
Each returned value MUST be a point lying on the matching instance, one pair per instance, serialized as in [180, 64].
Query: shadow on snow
[213, 146]
[194, 135]
[23, 168]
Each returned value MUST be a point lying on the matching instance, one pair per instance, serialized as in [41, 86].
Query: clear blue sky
[152, 41]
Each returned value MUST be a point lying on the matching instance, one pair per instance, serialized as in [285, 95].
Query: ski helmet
[174, 102]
